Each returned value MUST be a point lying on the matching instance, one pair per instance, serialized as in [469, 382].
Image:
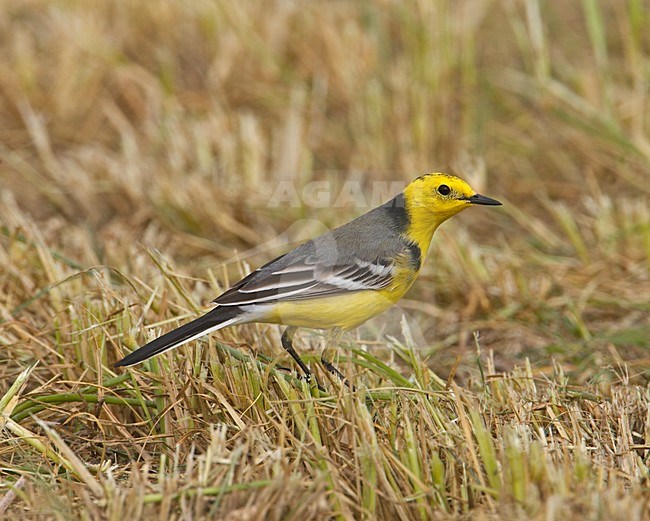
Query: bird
[339, 280]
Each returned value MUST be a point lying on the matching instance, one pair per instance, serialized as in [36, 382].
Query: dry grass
[140, 143]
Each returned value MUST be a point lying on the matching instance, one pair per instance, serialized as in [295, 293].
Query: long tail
[218, 318]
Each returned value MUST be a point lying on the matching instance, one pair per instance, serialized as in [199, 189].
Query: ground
[152, 153]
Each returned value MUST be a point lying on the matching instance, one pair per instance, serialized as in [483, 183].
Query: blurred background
[152, 153]
[151, 138]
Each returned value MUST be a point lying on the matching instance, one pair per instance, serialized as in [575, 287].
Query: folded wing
[306, 280]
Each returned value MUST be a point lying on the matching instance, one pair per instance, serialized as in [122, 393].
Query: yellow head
[433, 198]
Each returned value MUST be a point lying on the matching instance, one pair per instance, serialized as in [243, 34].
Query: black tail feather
[178, 336]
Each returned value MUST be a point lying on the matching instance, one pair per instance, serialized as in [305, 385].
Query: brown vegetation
[140, 145]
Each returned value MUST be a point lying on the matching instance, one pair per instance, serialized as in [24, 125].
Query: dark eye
[444, 190]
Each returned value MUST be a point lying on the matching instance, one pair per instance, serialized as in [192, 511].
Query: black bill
[481, 199]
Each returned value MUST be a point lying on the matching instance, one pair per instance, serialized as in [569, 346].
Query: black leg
[287, 343]
[332, 369]
[326, 357]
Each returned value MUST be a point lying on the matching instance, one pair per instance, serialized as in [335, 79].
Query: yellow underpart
[345, 311]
